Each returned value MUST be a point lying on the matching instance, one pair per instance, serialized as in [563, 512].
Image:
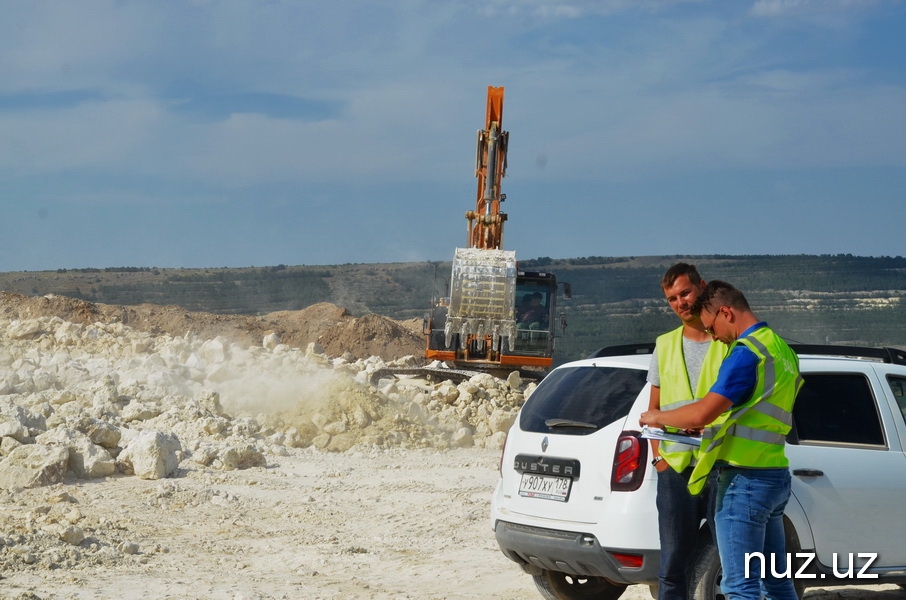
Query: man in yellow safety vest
[683, 367]
[748, 412]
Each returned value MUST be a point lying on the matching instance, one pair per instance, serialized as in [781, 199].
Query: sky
[228, 133]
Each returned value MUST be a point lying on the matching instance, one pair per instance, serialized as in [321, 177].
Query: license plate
[546, 487]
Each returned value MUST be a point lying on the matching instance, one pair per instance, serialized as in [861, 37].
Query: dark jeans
[679, 517]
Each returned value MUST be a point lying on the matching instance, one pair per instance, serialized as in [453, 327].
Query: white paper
[655, 433]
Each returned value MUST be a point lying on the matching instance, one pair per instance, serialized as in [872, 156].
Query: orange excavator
[497, 316]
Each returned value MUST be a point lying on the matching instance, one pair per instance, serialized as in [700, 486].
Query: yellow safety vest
[754, 434]
[676, 388]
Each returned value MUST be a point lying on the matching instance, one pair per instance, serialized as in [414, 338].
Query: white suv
[575, 504]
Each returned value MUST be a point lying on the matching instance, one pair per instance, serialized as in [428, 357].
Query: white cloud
[779, 8]
[575, 9]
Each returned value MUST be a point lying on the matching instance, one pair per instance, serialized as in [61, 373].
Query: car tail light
[502, 452]
[631, 561]
[628, 462]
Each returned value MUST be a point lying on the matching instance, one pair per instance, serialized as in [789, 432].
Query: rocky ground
[188, 455]
[147, 452]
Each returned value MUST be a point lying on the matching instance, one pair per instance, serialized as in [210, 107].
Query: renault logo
[544, 444]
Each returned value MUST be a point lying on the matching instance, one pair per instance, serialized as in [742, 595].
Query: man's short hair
[677, 271]
[719, 293]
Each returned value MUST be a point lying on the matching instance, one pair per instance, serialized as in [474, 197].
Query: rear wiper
[569, 423]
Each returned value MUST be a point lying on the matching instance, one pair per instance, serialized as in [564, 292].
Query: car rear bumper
[536, 549]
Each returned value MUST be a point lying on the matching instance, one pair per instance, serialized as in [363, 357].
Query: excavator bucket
[482, 295]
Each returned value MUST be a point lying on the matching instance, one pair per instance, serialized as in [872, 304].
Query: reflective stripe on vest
[754, 434]
[676, 388]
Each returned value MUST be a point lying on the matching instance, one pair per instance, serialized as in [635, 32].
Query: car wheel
[555, 585]
[706, 574]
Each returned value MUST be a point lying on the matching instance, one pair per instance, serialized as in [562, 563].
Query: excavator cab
[535, 301]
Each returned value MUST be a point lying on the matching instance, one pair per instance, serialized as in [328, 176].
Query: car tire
[555, 585]
[705, 574]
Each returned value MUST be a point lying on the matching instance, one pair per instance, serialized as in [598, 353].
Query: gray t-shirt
[693, 352]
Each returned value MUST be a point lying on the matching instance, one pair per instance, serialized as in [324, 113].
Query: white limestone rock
[501, 421]
[271, 341]
[210, 400]
[215, 351]
[151, 455]
[446, 392]
[321, 441]
[33, 465]
[140, 411]
[241, 456]
[462, 438]
[100, 432]
[72, 535]
[27, 329]
[514, 381]
[13, 428]
[7, 445]
[87, 460]
[104, 391]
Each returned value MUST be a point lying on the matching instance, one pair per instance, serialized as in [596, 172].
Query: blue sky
[256, 133]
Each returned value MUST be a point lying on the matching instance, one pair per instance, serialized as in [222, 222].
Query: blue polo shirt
[739, 372]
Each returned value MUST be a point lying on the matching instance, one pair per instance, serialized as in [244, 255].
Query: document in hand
[654, 433]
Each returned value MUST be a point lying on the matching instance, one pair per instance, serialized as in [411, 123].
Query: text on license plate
[545, 486]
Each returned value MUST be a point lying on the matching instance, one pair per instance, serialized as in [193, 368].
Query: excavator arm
[486, 221]
[484, 275]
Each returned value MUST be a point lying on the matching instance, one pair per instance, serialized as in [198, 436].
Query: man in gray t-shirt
[694, 353]
[684, 365]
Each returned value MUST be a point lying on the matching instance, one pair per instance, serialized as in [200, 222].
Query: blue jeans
[749, 519]
[679, 515]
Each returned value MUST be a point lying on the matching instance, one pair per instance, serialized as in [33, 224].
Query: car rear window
[581, 400]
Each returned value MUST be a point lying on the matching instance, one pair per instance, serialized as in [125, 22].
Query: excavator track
[457, 376]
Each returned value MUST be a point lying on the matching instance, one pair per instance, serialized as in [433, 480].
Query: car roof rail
[624, 349]
[884, 353]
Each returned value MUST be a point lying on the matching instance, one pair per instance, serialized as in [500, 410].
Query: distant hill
[616, 300]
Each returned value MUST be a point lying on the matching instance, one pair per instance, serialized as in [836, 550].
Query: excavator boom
[486, 221]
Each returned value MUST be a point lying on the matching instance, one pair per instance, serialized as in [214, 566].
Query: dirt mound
[298, 328]
[16, 306]
[371, 335]
[330, 325]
